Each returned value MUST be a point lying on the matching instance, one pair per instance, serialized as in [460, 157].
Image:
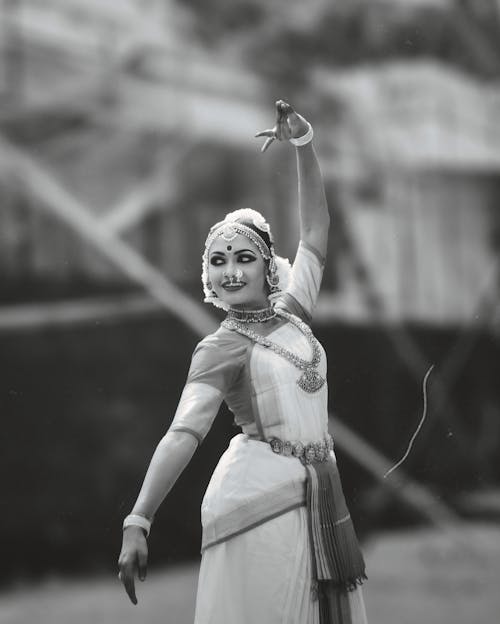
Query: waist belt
[312, 452]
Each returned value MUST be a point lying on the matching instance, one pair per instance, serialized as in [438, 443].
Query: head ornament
[251, 224]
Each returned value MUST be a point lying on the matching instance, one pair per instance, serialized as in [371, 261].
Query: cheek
[257, 274]
[214, 274]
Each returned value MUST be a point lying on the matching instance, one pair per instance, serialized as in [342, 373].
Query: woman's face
[237, 272]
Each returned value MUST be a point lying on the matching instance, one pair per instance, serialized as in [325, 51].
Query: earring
[273, 281]
[272, 277]
[210, 288]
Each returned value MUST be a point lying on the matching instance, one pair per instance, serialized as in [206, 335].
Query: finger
[285, 130]
[266, 133]
[283, 109]
[279, 129]
[267, 143]
[280, 118]
[129, 584]
[142, 564]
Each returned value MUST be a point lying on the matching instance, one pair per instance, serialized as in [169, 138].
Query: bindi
[229, 247]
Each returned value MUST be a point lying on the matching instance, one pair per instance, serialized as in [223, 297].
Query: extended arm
[171, 456]
[195, 413]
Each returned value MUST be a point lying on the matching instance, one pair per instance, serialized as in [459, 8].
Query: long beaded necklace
[310, 380]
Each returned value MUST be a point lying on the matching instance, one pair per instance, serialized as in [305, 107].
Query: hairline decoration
[228, 229]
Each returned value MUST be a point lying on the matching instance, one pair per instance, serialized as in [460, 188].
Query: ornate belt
[307, 453]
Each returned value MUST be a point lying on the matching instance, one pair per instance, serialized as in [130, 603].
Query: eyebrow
[238, 251]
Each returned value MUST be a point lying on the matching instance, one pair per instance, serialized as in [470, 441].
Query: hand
[133, 559]
[289, 125]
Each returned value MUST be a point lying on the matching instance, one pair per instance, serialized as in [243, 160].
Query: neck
[243, 315]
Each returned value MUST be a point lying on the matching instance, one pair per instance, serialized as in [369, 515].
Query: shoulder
[301, 293]
[223, 343]
[218, 359]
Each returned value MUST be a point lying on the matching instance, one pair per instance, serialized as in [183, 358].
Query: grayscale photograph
[250, 311]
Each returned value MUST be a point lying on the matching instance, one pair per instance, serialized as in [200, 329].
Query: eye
[246, 258]
[216, 261]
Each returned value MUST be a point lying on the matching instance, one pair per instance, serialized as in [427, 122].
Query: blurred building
[417, 163]
[152, 136]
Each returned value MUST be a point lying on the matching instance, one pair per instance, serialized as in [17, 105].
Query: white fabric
[305, 279]
[286, 411]
[197, 408]
[262, 576]
[245, 473]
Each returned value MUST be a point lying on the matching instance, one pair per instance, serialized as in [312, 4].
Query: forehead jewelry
[228, 232]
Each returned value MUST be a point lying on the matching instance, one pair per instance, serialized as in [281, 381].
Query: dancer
[278, 542]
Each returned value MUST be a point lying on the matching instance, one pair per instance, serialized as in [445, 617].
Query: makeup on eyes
[216, 256]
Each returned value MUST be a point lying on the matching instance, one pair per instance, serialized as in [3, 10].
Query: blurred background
[126, 130]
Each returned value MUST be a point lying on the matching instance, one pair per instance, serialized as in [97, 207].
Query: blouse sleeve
[301, 294]
[213, 370]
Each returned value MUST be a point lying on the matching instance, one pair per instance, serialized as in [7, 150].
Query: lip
[232, 286]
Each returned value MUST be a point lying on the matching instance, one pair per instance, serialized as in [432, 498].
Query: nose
[232, 273]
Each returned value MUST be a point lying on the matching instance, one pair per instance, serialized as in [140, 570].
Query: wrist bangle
[305, 138]
[136, 520]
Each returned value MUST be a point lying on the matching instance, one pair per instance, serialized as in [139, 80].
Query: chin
[238, 300]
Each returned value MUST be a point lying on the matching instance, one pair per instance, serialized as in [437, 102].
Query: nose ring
[237, 275]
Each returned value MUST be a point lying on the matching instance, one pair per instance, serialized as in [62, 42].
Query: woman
[278, 542]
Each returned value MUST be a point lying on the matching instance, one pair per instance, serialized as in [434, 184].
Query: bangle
[137, 520]
[304, 139]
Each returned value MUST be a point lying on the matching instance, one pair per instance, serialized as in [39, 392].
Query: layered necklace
[310, 381]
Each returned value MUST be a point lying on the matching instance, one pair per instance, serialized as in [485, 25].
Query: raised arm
[314, 216]
[313, 209]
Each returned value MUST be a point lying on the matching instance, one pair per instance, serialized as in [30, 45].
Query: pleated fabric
[264, 576]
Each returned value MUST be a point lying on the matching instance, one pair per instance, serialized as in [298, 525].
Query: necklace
[310, 380]
[251, 316]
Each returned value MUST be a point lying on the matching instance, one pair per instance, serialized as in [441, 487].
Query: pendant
[310, 381]
[229, 233]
